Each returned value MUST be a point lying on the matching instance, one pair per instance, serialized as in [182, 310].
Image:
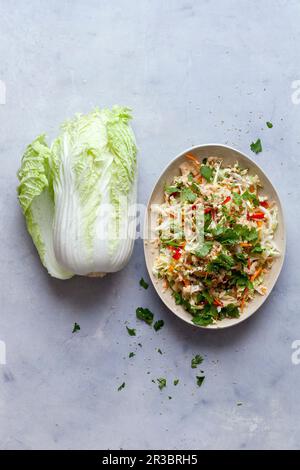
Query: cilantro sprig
[207, 172]
[143, 283]
[158, 325]
[256, 146]
[76, 328]
[131, 331]
[162, 383]
[196, 361]
[145, 315]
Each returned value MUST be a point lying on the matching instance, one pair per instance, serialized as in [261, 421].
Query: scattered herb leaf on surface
[131, 331]
[196, 361]
[162, 382]
[144, 284]
[256, 147]
[158, 325]
[200, 380]
[144, 314]
[121, 386]
[76, 328]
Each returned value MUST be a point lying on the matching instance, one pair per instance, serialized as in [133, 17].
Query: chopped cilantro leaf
[158, 325]
[131, 331]
[121, 386]
[187, 195]
[256, 147]
[171, 242]
[207, 221]
[240, 279]
[224, 235]
[171, 189]
[269, 124]
[178, 298]
[245, 233]
[159, 351]
[237, 198]
[205, 296]
[200, 380]
[207, 172]
[206, 316]
[222, 261]
[240, 257]
[176, 382]
[204, 250]
[195, 187]
[228, 215]
[250, 197]
[162, 382]
[131, 354]
[76, 327]
[257, 249]
[144, 284]
[196, 361]
[230, 311]
[203, 317]
[144, 314]
[203, 320]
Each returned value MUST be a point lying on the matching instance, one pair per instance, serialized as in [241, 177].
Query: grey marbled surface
[193, 72]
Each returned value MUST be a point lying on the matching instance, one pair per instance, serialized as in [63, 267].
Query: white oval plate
[230, 156]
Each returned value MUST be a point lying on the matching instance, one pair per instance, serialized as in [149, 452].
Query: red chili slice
[227, 199]
[177, 253]
[256, 216]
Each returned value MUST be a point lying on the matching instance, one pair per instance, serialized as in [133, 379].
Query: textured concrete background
[193, 72]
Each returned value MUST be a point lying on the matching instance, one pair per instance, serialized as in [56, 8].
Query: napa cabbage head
[78, 195]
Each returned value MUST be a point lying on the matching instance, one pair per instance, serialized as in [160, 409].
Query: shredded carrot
[256, 274]
[249, 263]
[244, 298]
[259, 223]
[191, 157]
[171, 269]
[218, 302]
[245, 244]
[199, 179]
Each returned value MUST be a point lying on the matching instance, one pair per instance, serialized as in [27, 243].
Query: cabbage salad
[215, 239]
